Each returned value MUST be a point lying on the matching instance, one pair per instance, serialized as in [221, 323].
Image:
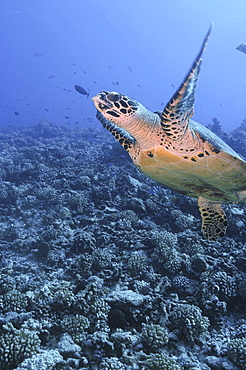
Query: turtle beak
[96, 99]
[101, 102]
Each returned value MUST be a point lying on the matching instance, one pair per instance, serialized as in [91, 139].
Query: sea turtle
[178, 152]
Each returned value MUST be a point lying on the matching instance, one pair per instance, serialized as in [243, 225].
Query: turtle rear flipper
[214, 220]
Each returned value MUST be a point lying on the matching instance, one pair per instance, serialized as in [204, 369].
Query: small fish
[242, 48]
[67, 117]
[117, 83]
[172, 86]
[81, 90]
[17, 113]
[130, 69]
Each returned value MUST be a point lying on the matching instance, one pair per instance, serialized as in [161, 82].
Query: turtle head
[119, 110]
[115, 107]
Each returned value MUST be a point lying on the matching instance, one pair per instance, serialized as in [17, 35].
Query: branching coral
[161, 362]
[75, 326]
[237, 352]
[16, 345]
[137, 263]
[154, 337]
[189, 322]
[165, 251]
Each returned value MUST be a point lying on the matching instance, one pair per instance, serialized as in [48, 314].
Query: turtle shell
[217, 172]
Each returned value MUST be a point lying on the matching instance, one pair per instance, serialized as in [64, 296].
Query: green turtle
[178, 152]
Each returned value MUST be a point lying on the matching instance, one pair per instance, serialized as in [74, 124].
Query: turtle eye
[113, 97]
[102, 95]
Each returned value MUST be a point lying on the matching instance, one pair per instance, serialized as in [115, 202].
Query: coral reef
[102, 268]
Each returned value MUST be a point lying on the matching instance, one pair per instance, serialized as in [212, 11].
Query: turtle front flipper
[214, 220]
[124, 138]
[176, 114]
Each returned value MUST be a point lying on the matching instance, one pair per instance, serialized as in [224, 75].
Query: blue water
[140, 48]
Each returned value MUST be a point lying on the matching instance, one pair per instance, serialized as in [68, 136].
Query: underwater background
[49, 46]
[101, 267]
